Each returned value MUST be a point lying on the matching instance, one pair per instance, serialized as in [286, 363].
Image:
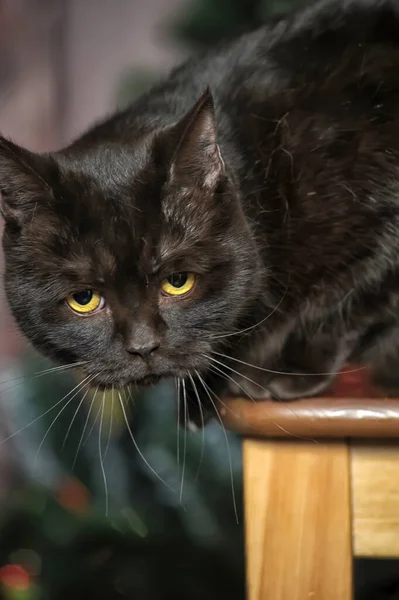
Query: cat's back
[318, 55]
[326, 49]
[307, 42]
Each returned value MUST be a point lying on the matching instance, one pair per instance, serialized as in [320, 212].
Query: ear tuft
[197, 159]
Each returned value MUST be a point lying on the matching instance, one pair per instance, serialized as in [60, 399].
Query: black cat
[235, 229]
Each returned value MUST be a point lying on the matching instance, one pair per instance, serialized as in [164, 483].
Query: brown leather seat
[353, 408]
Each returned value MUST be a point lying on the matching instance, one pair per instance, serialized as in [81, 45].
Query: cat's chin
[146, 381]
[149, 380]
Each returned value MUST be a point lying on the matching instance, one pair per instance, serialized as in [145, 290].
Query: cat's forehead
[109, 238]
[107, 162]
[99, 236]
[129, 246]
[97, 257]
[112, 215]
[109, 184]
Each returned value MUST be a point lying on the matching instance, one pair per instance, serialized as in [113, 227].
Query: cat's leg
[306, 367]
[301, 383]
[311, 363]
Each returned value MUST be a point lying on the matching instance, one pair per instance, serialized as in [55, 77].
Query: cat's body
[279, 190]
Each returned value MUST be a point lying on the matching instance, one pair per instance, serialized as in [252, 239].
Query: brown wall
[106, 38]
[28, 98]
[61, 62]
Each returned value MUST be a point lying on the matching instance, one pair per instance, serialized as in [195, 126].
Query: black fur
[269, 167]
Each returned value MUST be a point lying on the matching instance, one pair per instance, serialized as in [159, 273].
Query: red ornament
[15, 577]
[73, 496]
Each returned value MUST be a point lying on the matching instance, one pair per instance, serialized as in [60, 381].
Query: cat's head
[130, 255]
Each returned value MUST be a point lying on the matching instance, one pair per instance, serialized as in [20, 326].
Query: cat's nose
[143, 341]
[144, 349]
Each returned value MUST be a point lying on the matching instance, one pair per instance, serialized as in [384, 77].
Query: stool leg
[298, 520]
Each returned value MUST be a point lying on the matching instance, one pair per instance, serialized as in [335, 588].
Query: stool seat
[353, 407]
[321, 493]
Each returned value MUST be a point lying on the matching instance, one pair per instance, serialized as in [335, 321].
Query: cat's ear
[22, 182]
[197, 159]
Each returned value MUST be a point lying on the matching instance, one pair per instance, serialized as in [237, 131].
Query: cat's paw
[281, 387]
[297, 385]
[253, 390]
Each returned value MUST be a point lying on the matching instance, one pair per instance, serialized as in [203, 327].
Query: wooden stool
[320, 494]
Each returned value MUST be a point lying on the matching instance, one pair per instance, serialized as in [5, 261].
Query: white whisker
[178, 422]
[100, 455]
[73, 419]
[283, 372]
[96, 418]
[80, 386]
[130, 393]
[21, 379]
[40, 416]
[110, 423]
[251, 398]
[241, 331]
[208, 390]
[203, 426]
[185, 440]
[85, 427]
[213, 360]
[138, 449]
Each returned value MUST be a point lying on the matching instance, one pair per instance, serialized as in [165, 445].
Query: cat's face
[127, 258]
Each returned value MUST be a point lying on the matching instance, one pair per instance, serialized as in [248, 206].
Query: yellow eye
[85, 302]
[178, 284]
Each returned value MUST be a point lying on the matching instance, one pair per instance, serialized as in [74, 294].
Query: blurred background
[155, 519]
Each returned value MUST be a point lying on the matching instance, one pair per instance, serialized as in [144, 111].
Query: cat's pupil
[178, 279]
[83, 298]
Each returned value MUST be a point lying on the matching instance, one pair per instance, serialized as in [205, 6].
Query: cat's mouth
[146, 375]
[140, 376]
